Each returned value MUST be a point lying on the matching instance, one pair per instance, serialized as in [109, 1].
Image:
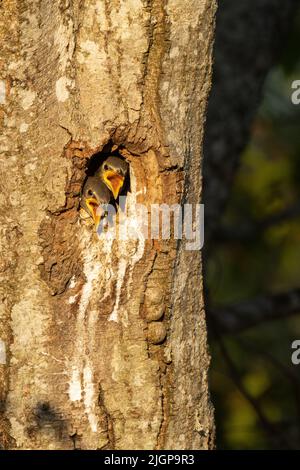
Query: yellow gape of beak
[94, 209]
[114, 181]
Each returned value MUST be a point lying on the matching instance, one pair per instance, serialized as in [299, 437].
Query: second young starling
[95, 195]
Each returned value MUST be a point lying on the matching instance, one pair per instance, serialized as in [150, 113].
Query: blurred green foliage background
[257, 404]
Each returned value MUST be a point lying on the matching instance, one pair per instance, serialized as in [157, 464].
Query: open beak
[114, 181]
[94, 209]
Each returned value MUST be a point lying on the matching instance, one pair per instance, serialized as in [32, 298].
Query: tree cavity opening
[107, 180]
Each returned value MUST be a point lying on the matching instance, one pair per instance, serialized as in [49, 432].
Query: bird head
[94, 196]
[113, 172]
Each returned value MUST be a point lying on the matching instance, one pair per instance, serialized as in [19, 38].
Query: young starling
[113, 172]
[95, 195]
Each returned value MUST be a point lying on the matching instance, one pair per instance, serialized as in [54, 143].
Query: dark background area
[252, 206]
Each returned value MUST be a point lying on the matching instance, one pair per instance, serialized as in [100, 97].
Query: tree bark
[102, 343]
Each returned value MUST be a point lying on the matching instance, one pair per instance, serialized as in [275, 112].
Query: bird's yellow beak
[93, 206]
[114, 181]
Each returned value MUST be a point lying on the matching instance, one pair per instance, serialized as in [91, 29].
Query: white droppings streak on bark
[75, 385]
[135, 223]
[2, 92]
[61, 89]
[132, 248]
[92, 269]
[72, 299]
[89, 397]
[72, 283]
[64, 43]
[96, 258]
[121, 275]
[2, 352]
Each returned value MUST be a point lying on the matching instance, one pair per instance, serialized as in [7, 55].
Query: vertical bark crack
[108, 424]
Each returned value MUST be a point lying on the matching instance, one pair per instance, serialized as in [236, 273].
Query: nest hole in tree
[94, 168]
[96, 160]
[95, 163]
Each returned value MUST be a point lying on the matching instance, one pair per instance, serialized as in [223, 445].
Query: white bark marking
[100, 274]
[61, 88]
[2, 92]
[174, 52]
[29, 168]
[121, 275]
[134, 223]
[27, 98]
[89, 397]
[80, 381]
[72, 299]
[23, 127]
[72, 283]
[2, 352]
[75, 385]
[64, 44]
[52, 357]
[91, 270]
[129, 224]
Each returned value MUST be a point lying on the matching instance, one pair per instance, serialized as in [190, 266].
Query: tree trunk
[103, 342]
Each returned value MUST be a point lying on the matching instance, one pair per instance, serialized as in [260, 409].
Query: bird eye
[105, 167]
[90, 192]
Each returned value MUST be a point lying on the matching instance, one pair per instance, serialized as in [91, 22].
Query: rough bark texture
[81, 317]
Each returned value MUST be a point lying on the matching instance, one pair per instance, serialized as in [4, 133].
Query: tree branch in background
[249, 38]
[248, 230]
[271, 429]
[249, 313]
[287, 372]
